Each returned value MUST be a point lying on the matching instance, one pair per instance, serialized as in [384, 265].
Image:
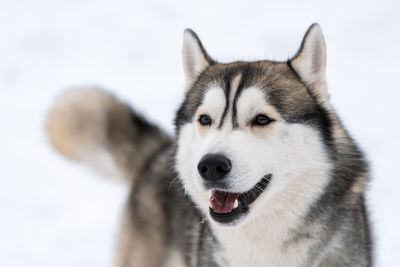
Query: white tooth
[236, 204]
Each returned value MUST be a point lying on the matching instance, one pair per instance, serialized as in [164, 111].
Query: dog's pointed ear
[195, 57]
[310, 62]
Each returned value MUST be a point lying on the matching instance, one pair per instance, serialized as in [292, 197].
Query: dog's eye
[205, 120]
[261, 120]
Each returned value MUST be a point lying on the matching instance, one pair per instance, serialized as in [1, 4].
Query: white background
[56, 213]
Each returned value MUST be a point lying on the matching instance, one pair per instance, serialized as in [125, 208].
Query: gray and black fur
[161, 219]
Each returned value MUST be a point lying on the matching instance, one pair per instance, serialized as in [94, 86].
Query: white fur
[174, 259]
[292, 153]
[214, 104]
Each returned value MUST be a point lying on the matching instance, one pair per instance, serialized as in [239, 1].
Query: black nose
[214, 167]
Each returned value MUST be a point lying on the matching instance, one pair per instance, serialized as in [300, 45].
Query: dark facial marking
[227, 90]
[239, 90]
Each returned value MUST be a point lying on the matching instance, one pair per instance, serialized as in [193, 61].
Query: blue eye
[204, 120]
[261, 120]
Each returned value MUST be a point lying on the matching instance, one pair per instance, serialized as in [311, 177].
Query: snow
[56, 213]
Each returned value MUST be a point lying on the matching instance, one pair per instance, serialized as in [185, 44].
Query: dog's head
[253, 134]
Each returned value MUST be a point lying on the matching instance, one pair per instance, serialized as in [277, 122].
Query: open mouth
[227, 207]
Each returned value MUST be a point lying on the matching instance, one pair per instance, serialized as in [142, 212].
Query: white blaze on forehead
[251, 102]
[213, 103]
[234, 86]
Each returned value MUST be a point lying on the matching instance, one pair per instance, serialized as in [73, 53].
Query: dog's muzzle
[226, 206]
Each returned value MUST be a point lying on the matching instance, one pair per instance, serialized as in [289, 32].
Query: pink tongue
[223, 202]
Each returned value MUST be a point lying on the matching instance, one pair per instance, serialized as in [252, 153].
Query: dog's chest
[260, 255]
[261, 248]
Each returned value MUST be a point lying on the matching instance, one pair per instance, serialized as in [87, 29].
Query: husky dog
[261, 172]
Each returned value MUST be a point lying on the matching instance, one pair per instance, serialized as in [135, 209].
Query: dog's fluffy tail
[91, 126]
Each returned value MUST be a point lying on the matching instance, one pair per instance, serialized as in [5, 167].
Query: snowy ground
[56, 213]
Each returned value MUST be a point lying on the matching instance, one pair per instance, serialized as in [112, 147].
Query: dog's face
[251, 132]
